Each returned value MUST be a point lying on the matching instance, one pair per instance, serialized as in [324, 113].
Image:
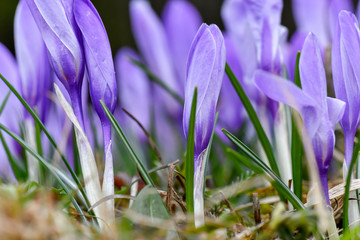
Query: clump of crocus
[319, 112]
[102, 83]
[205, 70]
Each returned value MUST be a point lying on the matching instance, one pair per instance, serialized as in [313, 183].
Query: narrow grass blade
[48, 166]
[254, 162]
[43, 128]
[296, 143]
[158, 81]
[254, 119]
[40, 152]
[19, 173]
[189, 160]
[347, 186]
[144, 174]
[3, 104]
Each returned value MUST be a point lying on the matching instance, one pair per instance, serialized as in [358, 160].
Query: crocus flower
[134, 91]
[346, 67]
[32, 58]
[102, 81]
[56, 24]
[205, 70]
[13, 111]
[319, 112]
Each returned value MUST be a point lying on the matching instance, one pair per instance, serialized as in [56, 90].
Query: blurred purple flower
[257, 35]
[13, 111]
[319, 112]
[33, 61]
[181, 21]
[346, 76]
[56, 24]
[165, 53]
[134, 91]
[319, 17]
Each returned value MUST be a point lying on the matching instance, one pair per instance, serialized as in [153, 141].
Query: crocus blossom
[205, 70]
[319, 112]
[102, 81]
[56, 26]
[346, 76]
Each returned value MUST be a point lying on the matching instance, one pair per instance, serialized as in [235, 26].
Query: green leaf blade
[254, 119]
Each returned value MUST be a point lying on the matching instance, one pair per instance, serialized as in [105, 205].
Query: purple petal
[181, 21]
[312, 72]
[12, 113]
[99, 63]
[32, 58]
[134, 90]
[60, 39]
[336, 109]
[346, 78]
[288, 93]
[205, 71]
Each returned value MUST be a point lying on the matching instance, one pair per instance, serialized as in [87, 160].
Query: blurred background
[115, 16]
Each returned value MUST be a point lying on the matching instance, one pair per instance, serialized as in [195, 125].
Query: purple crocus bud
[102, 82]
[205, 70]
[56, 25]
[181, 21]
[99, 63]
[33, 61]
[319, 112]
[155, 50]
[12, 113]
[346, 76]
[134, 91]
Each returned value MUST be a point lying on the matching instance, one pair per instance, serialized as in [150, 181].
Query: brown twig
[170, 186]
